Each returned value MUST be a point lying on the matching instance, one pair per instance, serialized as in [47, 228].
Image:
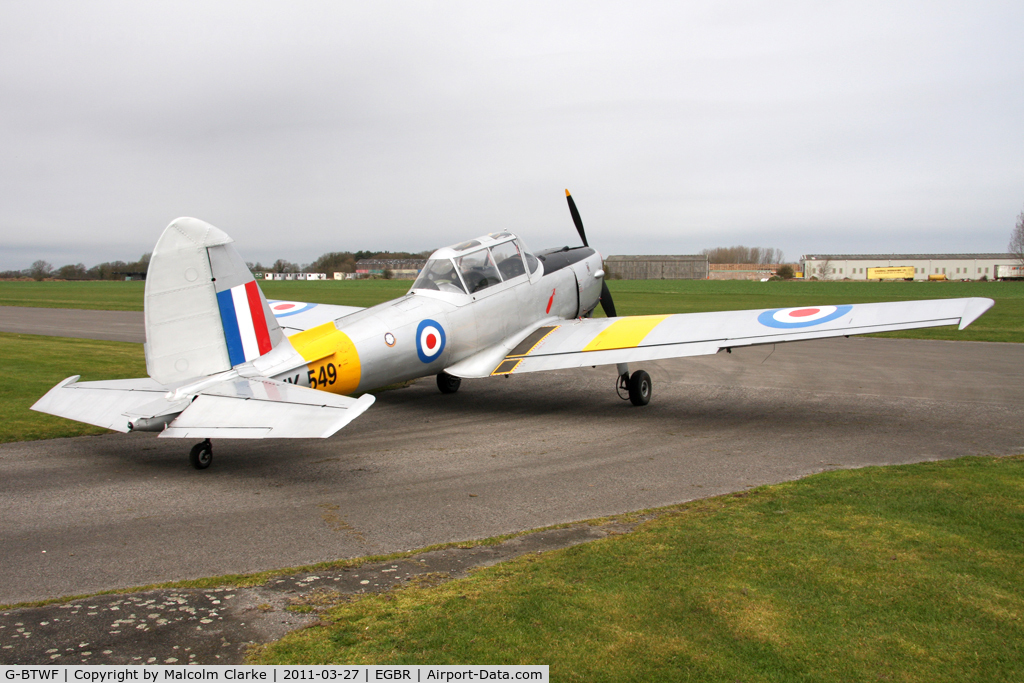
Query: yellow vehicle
[891, 273]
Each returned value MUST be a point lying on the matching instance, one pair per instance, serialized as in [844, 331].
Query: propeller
[607, 305]
[576, 218]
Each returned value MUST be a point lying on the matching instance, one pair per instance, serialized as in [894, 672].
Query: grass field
[127, 296]
[32, 365]
[906, 573]
[1004, 323]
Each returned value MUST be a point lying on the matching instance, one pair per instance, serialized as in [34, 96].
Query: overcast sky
[306, 127]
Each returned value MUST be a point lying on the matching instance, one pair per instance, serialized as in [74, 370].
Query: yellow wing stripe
[626, 333]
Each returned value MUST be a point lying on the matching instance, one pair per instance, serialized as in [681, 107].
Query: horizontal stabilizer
[110, 404]
[252, 408]
[264, 408]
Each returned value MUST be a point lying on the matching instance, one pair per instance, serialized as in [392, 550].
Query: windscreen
[439, 275]
[478, 270]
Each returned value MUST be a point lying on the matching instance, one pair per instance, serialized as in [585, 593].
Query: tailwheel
[201, 455]
[640, 388]
[448, 384]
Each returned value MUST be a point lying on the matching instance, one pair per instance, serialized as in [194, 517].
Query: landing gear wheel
[201, 455]
[640, 388]
[448, 384]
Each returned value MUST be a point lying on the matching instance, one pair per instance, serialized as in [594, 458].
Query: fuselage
[469, 297]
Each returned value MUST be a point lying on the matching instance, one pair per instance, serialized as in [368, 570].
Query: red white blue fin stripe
[245, 326]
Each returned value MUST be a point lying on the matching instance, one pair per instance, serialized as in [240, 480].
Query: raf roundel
[794, 318]
[430, 341]
[283, 309]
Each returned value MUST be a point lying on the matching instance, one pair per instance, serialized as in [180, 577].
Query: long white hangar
[953, 266]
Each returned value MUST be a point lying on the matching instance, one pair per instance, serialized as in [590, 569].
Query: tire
[640, 388]
[201, 455]
[448, 384]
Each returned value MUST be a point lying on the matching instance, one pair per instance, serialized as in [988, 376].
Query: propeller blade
[576, 218]
[606, 301]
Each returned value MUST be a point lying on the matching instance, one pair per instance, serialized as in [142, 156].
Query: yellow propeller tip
[567, 193]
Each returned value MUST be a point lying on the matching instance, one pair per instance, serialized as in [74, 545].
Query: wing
[298, 316]
[238, 408]
[556, 344]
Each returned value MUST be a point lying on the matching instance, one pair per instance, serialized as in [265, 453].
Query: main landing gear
[637, 385]
[201, 455]
[448, 384]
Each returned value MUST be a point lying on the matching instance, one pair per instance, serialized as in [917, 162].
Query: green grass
[908, 573]
[33, 364]
[127, 296]
[341, 292]
[104, 295]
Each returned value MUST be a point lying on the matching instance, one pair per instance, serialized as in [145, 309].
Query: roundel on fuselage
[430, 340]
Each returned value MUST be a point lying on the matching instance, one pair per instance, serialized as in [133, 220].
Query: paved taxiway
[418, 468]
[72, 322]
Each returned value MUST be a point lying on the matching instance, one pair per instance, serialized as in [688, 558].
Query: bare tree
[825, 269]
[1016, 246]
[39, 270]
[742, 254]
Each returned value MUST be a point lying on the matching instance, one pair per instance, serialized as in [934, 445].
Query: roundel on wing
[430, 340]
[282, 309]
[792, 318]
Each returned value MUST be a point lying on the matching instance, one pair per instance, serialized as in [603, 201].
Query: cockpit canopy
[472, 266]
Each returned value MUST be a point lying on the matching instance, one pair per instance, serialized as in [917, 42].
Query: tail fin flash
[204, 311]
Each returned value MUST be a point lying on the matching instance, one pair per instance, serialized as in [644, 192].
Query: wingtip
[39, 406]
[974, 309]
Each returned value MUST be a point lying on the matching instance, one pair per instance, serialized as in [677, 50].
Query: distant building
[290, 276]
[129, 276]
[401, 269]
[953, 266]
[685, 267]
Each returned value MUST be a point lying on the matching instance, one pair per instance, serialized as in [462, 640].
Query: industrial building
[401, 269]
[684, 267]
[952, 266]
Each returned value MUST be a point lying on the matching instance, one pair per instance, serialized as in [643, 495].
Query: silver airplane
[223, 362]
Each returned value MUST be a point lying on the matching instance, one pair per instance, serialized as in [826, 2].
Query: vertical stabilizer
[204, 311]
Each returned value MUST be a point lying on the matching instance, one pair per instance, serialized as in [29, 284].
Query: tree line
[741, 254]
[334, 262]
[109, 270]
[331, 262]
